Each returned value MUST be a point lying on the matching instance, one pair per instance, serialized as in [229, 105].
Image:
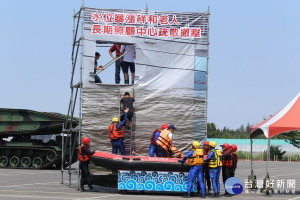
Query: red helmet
[164, 126]
[226, 146]
[86, 140]
[206, 143]
[233, 147]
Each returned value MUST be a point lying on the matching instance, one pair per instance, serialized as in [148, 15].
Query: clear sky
[254, 61]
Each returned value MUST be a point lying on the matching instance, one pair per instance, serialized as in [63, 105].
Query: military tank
[32, 140]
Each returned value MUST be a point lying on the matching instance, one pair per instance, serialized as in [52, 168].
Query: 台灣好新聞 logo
[233, 186]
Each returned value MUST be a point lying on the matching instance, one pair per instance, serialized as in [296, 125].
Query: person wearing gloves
[195, 160]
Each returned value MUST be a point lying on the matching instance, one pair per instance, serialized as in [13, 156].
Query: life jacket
[115, 133]
[84, 157]
[197, 158]
[227, 162]
[174, 153]
[153, 141]
[217, 160]
[163, 139]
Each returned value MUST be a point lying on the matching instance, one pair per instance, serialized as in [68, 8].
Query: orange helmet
[164, 126]
[226, 146]
[86, 140]
[233, 147]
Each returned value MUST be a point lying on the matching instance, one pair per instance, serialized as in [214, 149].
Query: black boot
[186, 195]
[126, 81]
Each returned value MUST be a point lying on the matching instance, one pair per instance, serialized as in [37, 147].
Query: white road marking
[8, 186]
[298, 197]
[34, 197]
[97, 197]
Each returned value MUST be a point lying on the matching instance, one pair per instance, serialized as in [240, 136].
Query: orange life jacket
[84, 157]
[174, 153]
[163, 140]
[114, 133]
[197, 158]
[153, 136]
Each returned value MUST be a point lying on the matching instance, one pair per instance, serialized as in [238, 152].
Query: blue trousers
[153, 150]
[117, 72]
[214, 174]
[196, 171]
[118, 144]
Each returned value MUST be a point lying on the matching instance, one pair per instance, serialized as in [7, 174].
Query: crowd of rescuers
[206, 165]
[206, 162]
[125, 63]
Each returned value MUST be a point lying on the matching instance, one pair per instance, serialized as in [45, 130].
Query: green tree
[292, 137]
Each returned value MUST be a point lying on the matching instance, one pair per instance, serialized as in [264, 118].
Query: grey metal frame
[69, 131]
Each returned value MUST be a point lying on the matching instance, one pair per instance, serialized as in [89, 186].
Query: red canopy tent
[287, 119]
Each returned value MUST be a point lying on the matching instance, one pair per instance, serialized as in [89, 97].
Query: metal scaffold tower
[172, 90]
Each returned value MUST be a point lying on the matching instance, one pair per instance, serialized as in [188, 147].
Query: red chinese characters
[152, 19]
[130, 18]
[163, 32]
[96, 29]
[119, 18]
[164, 20]
[174, 20]
[130, 24]
[96, 17]
[174, 32]
[141, 31]
[152, 32]
[108, 29]
[107, 17]
[130, 30]
[195, 32]
[184, 32]
[141, 19]
[119, 30]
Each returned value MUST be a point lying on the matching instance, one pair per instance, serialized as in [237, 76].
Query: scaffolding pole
[71, 136]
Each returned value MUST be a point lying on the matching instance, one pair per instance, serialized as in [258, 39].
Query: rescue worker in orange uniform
[206, 150]
[153, 146]
[227, 161]
[117, 135]
[233, 166]
[165, 141]
[84, 160]
[196, 161]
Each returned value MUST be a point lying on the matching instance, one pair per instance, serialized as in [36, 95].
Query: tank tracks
[28, 157]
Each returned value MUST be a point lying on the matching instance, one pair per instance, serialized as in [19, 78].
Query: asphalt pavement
[16, 184]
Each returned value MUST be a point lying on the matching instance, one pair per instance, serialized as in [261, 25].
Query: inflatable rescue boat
[138, 163]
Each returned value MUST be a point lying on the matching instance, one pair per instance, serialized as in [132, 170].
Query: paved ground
[46, 184]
